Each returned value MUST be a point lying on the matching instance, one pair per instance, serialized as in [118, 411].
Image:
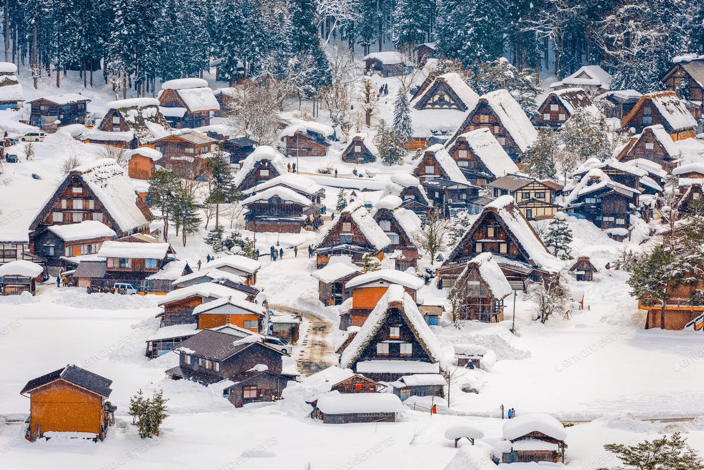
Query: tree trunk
[6, 32]
[124, 86]
[662, 314]
[166, 229]
[58, 77]
[217, 215]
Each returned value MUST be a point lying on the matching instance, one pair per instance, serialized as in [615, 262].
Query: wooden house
[58, 110]
[386, 64]
[560, 105]
[307, 138]
[333, 278]
[343, 408]
[14, 245]
[302, 185]
[665, 108]
[361, 149]
[129, 124]
[412, 193]
[604, 202]
[534, 437]
[499, 112]
[242, 266]
[253, 368]
[480, 157]
[186, 154]
[535, 199]
[590, 78]
[682, 308]
[689, 192]
[423, 52]
[335, 379]
[232, 310]
[187, 102]
[617, 104]
[367, 289]
[627, 174]
[502, 230]
[69, 400]
[687, 76]
[285, 327]
[11, 94]
[394, 341]
[654, 143]
[263, 164]
[419, 385]
[583, 269]
[239, 148]
[480, 290]
[354, 233]
[73, 241]
[131, 263]
[142, 163]
[282, 210]
[401, 226]
[169, 337]
[17, 277]
[218, 276]
[179, 304]
[439, 108]
[100, 191]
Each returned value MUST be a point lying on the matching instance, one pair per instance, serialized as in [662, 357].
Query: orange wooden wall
[63, 407]
[213, 320]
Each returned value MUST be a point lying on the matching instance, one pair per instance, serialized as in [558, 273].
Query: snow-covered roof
[574, 99]
[96, 135]
[512, 117]
[526, 423]
[174, 331]
[397, 367]
[204, 290]
[595, 180]
[264, 152]
[334, 403]
[132, 103]
[491, 274]
[11, 93]
[7, 67]
[390, 276]
[414, 319]
[388, 57]
[487, 149]
[66, 98]
[457, 431]
[338, 267]
[117, 249]
[672, 109]
[184, 83]
[214, 275]
[236, 262]
[697, 167]
[280, 192]
[327, 378]
[234, 304]
[446, 162]
[405, 180]
[664, 138]
[14, 236]
[650, 166]
[294, 181]
[420, 380]
[390, 202]
[592, 75]
[21, 268]
[366, 224]
[198, 99]
[299, 125]
[408, 220]
[148, 152]
[368, 142]
[85, 230]
[452, 80]
[113, 188]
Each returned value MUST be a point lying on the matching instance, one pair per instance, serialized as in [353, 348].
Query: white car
[33, 137]
[279, 344]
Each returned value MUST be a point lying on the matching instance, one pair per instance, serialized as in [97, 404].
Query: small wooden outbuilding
[343, 408]
[584, 269]
[20, 276]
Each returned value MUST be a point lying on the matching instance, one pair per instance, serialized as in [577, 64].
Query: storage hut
[142, 163]
[344, 408]
[583, 269]
[11, 94]
[534, 437]
[333, 278]
[58, 110]
[20, 276]
[480, 290]
[187, 102]
[361, 149]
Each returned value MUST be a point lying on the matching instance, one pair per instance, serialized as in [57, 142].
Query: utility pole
[513, 324]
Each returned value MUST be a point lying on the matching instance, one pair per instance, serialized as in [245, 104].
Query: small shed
[386, 64]
[66, 109]
[332, 279]
[307, 138]
[70, 400]
[584, 269]
[255, 385]
[419, 385]
[361, 149]
[285, 326]
[463, 430]
[20, 276]
[534, 437]
[142, 163]
[340, 380]
[11, 94]
[343, 408]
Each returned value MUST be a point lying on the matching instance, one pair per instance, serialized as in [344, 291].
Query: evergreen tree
[370, 263]
[389, 145]
[222, 187]
[138, 406]
[500, 74]
[185, 213]
[304, 43]
[341, 201]
[586, 136]
[539, 161]
[403, 125]
[671, 453]
[369, 24]
[162, 188]
[214, 239]
[409, 27]
[156, 414]
[559, 236]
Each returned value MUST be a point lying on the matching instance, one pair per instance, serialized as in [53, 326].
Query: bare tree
[70, 164]
[339, 96]
[432, 236]
[368, 100]
[330, 13]
[115, 153]
[233, 212]
[254, 112]
[551, 297]
[29, 151]
[209, 212]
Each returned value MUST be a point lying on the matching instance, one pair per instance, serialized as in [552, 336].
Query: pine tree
[222, 187]
[185, 213]
[370, 263]
[586, 136]
[341, 201]
[214, 239]
[403, 125]
[138, 406]
[389, 145]
[559, 236]
[156, 414]
[500, 74]
[539, 161]
[304, 43]
[671, 453]
[162, 188]
[369, 24]
[409, 27]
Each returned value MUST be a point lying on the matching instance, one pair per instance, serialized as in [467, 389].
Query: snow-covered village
[352, 234]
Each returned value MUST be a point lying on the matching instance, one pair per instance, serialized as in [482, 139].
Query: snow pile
[405, 180]
[86, 230]
[490, 152]
[282, 193]
[512, 117]
[527, 423]
[388, 202]
[8, 68]
[134, 250]
[689, 168]
[390, 276]
[148, 152]
[21, 268]
[184, 83]
[471, 457]
[335, 403]
[259, 368]
[458, 431]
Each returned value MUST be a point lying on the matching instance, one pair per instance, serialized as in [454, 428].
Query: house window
[540, 195]
[64, 204]
[406, 349]
[647, 120]
[263, 172]
[608, 219]
[91, 204]
[429, 170]
[126, 263]
[150, 263]
[484, 118]
[67, 251]
[462, 154]
[346, 226]
[116, 120]
[77, 190]
[201, 362]
[621, 221]
[478, 248]
[394, 332]
[591, 200]
[57, 217]
[186, 359]
[358, 149]
[98, 216]
[251, 324]
[393, 237]
[382, 349]
[502, 140]
[529, 213]
[562, 117]
[503, 248]
[385, 225]
[48, 250]
[546, 117]
[649, 146]
[78, 204]
[77, 217]
[250, 391]
[525, 195]
[646, 110]
[190, 150]
[463, 164]
[490, 232]
[216, 366]
[346, 238]
[554, 107]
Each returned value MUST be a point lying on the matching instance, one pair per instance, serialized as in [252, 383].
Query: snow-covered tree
[551, 297]
[388, 143]
[432, 237]
[403, 125]
[585, 136]
[408, 27]
[185, 212]
[498, 74]
[666, 453]
[559, 236]
[540, 159]
[253, 110]
[222, 187]
[341, 201]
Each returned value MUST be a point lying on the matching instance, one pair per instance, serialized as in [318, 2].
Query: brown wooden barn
[665, 108]
[232, 310]
[499, 112]
[353, 233]
[560, 105]
[73, 241]
[689, 194]
[617, 104]
[423, 52]
[583, 269]
[187, 102]
[66, 109]
[628, 174]
[255, 386]
[239, 148]
[502, 229]
[681, 310]
[142, 163]
[286, 327]
[394, 341]
[129, 124]
[479, 291]
[307, 138]
[17, 277]
[71, 400]
[217, 276]
[341, 380]
[654, 143]
[534, 437]
[687, 77]
[186, 154]
[361, 149]
[480, 157]
[437, 163]
[386, 64]
[333, 278]
[535, 199]
[280, 209]
[179, 304]
[419, 385]
[262, 165]
[344, 408]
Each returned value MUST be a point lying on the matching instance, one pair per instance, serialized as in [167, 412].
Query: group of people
[291, 168]
[384, 89]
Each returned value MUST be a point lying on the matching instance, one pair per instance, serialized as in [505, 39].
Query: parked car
[33, 137]
[124, 288]
[279, 344]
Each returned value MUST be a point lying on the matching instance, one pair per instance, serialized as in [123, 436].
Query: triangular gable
[440, 96]
[438, 157]
[672, 111]
[361, 224]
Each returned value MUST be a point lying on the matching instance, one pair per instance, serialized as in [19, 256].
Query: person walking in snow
[335, 172]
[281, 253]
[58, 281]
[295, 252]
[198, 265]
[272, 253]
[310, 251]
[294, 167]
[289, 168]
